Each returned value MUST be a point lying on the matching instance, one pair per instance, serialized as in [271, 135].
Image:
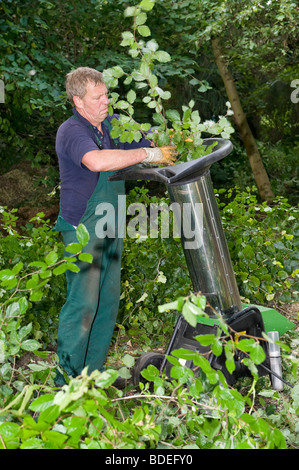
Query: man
[87, 155]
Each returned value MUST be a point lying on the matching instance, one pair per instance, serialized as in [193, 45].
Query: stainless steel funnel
[209, 264]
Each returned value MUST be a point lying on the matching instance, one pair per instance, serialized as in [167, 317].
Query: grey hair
[78, 79]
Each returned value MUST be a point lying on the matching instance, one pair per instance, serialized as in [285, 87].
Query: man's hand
[166, 154]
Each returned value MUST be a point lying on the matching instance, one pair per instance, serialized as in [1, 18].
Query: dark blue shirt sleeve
[77, 141]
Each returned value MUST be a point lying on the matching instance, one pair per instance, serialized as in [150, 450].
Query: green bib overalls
[88, 316]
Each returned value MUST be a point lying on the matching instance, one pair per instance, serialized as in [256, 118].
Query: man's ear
[77, 101]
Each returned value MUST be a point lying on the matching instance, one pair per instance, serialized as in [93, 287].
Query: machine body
[208, 260]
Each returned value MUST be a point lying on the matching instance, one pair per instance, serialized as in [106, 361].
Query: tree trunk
[255, 160]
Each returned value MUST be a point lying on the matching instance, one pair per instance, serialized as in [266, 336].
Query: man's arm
[110, 160]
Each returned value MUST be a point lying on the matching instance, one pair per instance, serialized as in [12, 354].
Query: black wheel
[143, 362]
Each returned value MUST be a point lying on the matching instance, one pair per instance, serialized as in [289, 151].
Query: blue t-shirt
[75, 137]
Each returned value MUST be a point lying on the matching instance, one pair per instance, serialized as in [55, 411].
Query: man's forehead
[99, 88]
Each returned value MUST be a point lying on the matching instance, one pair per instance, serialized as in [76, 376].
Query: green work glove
[166, 154]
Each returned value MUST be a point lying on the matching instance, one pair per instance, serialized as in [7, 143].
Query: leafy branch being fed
[183, 129]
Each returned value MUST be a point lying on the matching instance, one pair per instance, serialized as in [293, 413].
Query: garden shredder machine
[189, 184]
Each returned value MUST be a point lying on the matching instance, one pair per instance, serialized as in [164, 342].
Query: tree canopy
[42, 40]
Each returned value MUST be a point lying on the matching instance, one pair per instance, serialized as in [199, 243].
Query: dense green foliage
[90, 413]
[170, 81]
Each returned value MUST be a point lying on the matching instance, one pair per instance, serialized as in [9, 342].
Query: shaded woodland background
[244, 52]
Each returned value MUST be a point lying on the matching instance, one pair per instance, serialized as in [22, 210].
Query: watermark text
[176, 220]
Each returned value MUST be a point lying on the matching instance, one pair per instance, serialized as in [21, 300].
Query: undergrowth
[196, 408]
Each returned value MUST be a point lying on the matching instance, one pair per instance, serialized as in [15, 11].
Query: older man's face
[94, 105]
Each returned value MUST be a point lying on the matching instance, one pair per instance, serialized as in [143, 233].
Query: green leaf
[107, 378]
[30, 345]
[9, 434]
[10, 284]
[141, 19]
[36, 295]
[17, 268]
[199, 300]
[176, 305]
[257, 353]
[122, 104]
[196, 388]
[145, 126]
[124, 373]
[33, 443]
[13, 310]
[24, 331]
[189, 315]
[147, 5]
[192, 313]
[153, 80]
[33, 282]
[158, 119]
[74, 248]
[17, 308]
[173, 115]
[166, 95]
[217, 347]
[38, 264]
[137, 136]
[51, 258]
[161, 278]
[55, 438]
[186, 354]
[48, 417]
[162, 56]
[72, 267]
[144, 31]
[42, 403]
[205, 340]
[128, 360]
[6, 275]
[253, 348]
[82, 234]
[127, 35]
[60, 269]
[131, 96]
[45, 274]
[23, 305]
[254, 281]
[87, 257]
[117, 71]
[180, 373]
[203, 363]
[230, 362]
[150, 373]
